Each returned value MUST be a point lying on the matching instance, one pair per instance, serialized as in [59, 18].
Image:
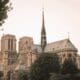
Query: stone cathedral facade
[13, 60]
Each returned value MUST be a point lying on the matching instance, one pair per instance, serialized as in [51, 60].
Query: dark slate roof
[65, 44]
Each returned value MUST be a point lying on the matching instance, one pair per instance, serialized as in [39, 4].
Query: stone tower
[43, 33]
[8, 49]
[25, 44]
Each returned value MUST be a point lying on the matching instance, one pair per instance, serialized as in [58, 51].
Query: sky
[61, 17]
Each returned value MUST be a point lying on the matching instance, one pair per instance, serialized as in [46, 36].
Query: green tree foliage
[56, 77]
[22, 75]
[69, 70]
[69, 67]
[46, 64]
[4, 8]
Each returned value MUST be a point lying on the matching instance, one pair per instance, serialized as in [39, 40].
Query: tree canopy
[69, 70]
[42, 68]
[21, 75]
[69, 67]
[4, 8]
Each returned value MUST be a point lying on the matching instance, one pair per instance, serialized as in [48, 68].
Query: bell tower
[9, 54]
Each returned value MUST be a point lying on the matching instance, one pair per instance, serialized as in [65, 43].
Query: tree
[46, 64]
[56, 77]
[4, 8]
[69, 70]
[22, 75]
[69, 67]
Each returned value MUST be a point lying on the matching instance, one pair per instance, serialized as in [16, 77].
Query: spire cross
[43, 5]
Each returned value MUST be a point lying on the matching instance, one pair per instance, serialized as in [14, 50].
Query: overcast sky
[61, 17]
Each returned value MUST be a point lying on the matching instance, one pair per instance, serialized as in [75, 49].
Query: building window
[75, 54]
[53, 49]
[63, 55]
[36, 50]
[69, 55]
[8, 44]
[11, 44]
[74, 59]
[26, 42]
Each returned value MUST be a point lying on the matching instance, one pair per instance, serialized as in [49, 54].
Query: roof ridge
[57, 41]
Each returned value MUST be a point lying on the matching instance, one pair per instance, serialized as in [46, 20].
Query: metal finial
[43, 6]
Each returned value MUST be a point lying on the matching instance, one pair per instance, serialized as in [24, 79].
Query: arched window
[64, 55]
[8, 44]
[69, 55]
[75, 54]
[74, 59]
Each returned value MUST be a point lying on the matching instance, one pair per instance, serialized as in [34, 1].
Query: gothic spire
[43, 33]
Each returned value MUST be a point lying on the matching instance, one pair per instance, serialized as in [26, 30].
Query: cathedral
[11, 60]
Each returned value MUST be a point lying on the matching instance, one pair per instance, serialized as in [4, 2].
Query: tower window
[8, 44]
[63, 55]
[53, 48]
[74, 59]
[69, 55]
[26, 42]
[75, 54]
[11, 44]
